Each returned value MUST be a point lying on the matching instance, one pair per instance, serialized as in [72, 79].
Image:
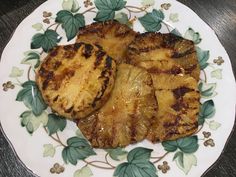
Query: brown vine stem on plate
[51, 25]
[167, 26]
[129, 13]
[138, 9]
[89, 10]
[201, 127]
[108, 161]
[55, 139]
[92, 163]
[160, 158]
[57, 27]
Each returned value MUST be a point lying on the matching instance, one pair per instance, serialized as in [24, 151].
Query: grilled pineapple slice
[111, 35]
[157, 46]
[178, 101]
[126, 116]
[76, 80]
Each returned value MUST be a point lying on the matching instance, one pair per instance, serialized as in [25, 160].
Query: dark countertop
[220, 15]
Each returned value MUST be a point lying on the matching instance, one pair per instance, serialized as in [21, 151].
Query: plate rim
[230, 65]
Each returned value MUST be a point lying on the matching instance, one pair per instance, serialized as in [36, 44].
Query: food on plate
[178, 101]
[126, 117]
[113, 36]
[76, 79]
[157, 46]
[121, 87]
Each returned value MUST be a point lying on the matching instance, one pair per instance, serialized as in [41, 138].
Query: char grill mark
[173, 70]
[106, 73]
[56, 98]
[78, 45]
[177, 54]
[170, 40]
[181, 91]
[54, 52]
[190, 69]
[87, 50]
[48, 77]
[99, 55]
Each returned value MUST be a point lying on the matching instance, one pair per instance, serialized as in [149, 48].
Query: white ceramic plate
[42, 154]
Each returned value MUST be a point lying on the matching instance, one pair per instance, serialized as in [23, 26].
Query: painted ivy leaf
[190, 34]
[31, 58]
[31, 97]
[77, 149]
[70, 22]
[32, 122]
[186, 145]
[170, 146]
[174, 17]
[49, 150]
[176, 32]
[83, 172]
[46, 40]
[207, 110]
[179, 156]
[105, 15]
[203, 57]
[38, 26]
[213, 125]
[138, 164]
[207, 90]
[55, 123]
[139, 154]
[152, 21]
[16, 72]
[217, 74]
[148, 3]
[107, 8]
[122, 18]
[114, 5]
[185, 161]
[70, 5]
[117, 154]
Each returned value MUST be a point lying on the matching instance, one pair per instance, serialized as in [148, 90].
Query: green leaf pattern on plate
[185, 161]
[49, 150]
[203, 57]
[217, 74]
[70, 5]
[70, 22]
[83, 172]
[31, 58]
[190, 34]
[207, 111]
[186, 145]
[46, 40]
[138, 164]
[152, 21]
[32, 122]
[117, 154]
[77, 149]
[107, 9]
[55, 123]
[207, 90]
[16, 72]
[31, 97]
